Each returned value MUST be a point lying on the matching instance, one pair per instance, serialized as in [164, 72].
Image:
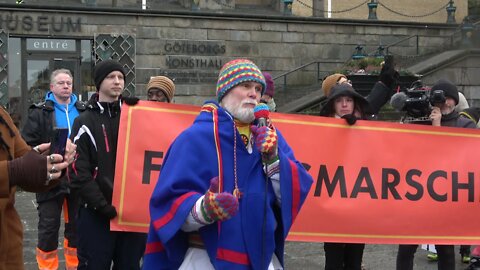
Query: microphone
[398, 101]
[261, 113]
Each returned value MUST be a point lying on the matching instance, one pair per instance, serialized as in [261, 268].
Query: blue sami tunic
[247, 240]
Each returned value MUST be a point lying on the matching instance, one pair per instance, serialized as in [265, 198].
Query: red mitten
[218, 206]
[266, 141]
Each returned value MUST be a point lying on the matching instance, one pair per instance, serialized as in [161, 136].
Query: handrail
[284, 75]
[402, 40]
[317, 62]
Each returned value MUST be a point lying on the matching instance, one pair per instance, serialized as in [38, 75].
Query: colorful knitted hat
[163, 83]
[235, 72]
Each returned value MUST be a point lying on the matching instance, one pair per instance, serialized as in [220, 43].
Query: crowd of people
[230, 186]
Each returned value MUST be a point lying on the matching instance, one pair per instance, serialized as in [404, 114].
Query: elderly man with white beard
[229, 189]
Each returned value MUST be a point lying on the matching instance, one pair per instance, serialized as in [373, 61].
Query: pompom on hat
[330, 81]
[104, 68]
[234, 73]
[163, 83]
[270, 84]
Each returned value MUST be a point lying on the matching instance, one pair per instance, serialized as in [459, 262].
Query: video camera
[417, 102]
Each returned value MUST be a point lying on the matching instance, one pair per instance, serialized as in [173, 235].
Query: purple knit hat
[235, 72]
[270, 85]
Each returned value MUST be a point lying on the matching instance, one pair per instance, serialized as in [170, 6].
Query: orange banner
[375, 182]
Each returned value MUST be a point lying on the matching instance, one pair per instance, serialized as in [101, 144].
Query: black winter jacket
[38, 129]
[95, 132]
[454, 120]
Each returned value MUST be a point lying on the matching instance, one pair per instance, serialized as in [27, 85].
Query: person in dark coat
[92, 174]
[344, 102]
[443, 114]
[59, 110]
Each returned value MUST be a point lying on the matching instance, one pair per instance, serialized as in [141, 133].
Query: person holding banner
[379, 95]
[443, 114]
[96, 133]
[344, 102]
[230, 186]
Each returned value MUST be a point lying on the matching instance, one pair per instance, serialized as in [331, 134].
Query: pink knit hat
[270, 84]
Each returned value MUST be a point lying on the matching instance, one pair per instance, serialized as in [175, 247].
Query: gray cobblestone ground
[297, 255]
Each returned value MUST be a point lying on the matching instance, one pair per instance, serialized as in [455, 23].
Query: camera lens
[437, 97]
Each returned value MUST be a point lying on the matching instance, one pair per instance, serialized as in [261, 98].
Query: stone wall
[192, 47]
[464, 72]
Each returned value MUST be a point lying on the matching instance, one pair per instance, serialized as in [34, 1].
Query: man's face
[447, 107]
[111, 87]
[61, 87]
[155, 94]
[241, 100]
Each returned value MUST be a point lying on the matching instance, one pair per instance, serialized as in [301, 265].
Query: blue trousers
[98, 247]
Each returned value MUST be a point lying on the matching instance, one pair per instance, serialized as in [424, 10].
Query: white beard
[244, 115]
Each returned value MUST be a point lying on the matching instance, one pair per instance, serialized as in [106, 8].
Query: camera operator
[443, 111]
[444, 98]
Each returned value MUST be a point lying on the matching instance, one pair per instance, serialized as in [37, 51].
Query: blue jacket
[247, 240]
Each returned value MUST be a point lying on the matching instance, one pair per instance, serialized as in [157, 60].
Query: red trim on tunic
[232, 256]
[154, 247]
[219, 150]
[295, 190]
[157, 224]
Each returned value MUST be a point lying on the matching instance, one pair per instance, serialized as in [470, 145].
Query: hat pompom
[329, 82]
[235, 72]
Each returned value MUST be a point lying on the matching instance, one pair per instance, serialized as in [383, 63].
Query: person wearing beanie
[443, 111]
[226, 184]
[95, 132]
[267, 97]
[444, 96]
[161, 89]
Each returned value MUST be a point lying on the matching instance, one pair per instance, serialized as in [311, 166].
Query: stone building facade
[189, 47]
[427, 11]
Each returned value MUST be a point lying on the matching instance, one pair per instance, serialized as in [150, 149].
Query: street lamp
[287, 7]
[451, 12]
[372, 10]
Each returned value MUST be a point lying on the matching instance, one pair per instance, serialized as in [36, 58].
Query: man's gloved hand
[388, 76]
[132, 101]
[218, 206]
[30, 173]
[266, 141]
[350, 118]
[108, 211]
